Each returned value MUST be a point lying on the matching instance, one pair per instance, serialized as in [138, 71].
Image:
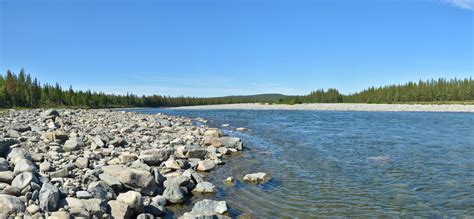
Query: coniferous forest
[21, 90]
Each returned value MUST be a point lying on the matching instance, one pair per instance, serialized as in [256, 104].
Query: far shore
[340, 107]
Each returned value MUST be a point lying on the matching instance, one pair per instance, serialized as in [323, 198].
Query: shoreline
[362, 107]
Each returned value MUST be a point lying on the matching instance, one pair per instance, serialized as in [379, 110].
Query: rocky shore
[340, 107]
[106, 164]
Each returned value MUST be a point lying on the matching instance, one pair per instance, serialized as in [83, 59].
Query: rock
[33, 209]
[60, 215]
[20, 127]
[49, 197]
[6, 176]
[73, 144]
[192, 151]
[203, 215]
[118, 142]
[98, 141]
[214, 142]
[174, 194]
[83, 194]
[82, 162]
[119, 209]
[23, 180]
[206, 165]
[139, 180]
[11, 190]
[56, 135]
[204, 187]
[229, 180]
[232, 142]
[242, 129]
[24, 165]
[145, 216]
[179, 180]
[94, 206]
[3, 164]
[109, 180]
[154, 157]
[45, 166]
[50, 113]
[207, 205]
[101, 190]
[225, 125]
[61, 173]
[213, 133]
[132, 199]
[172, 164]
[17, 154]
[5, 144]
[11, 205]
[257, 177]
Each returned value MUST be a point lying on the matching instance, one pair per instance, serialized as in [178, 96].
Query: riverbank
[104, 163]
[340, 107]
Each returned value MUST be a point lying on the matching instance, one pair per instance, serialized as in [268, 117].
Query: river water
[359, 164]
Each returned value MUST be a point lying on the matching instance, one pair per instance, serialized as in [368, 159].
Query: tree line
[24, 91]
[441, 90]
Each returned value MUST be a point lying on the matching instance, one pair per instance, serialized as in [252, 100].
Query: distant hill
[258, 97]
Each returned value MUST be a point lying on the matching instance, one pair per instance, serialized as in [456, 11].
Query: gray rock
[23, 180]
[82, 162]
[5, 144]
[232, 142]
[3, 164]
[120, 210]
[139, 180]
[206, 165]
[174, 194]
[83, 194]
[118, 142]
[73, 144]
[20, 127]
[17, 154]
[95, 206]
[101, 190]
[45, 166]
[193, 151]
[132, 199]
[11, 205]
[154, 157]
[24, 165]
[98, 141]
[61, 173]
[50, 113]
[33, 209]
[204, 187]
[145, 216]
[6, 176]
[49, 197]
[109, 180]
[207, 205]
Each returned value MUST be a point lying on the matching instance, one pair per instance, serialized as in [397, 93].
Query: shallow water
[347, 163]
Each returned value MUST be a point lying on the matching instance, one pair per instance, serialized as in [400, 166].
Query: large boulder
[24, 165]
[49, 197]
[11, 205]
[206, 165]
[191, 151]
[232, 142]
[95, 206]
[154, 157]
[132, 199]
[139, 180]
[101, 190]
[5, 144]
[212, 133]
[174, 194]
[204, 187]
[207, 209]
[23, 180]
[73, 144]
[119, 209]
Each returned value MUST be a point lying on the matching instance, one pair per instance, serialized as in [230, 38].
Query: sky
[236, 47]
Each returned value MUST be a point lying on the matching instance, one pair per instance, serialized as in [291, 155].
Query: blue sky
[228, 47]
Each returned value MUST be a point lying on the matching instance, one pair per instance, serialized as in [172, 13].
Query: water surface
[347, 163]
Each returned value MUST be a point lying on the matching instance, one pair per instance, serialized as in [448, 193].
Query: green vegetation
[23, 91]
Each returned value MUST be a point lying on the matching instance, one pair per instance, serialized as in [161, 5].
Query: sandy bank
[342, 107]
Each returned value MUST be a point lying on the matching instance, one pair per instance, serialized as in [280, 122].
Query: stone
[257, 177]
[139, 180]
[174, 194]
[49, 197]
[73, 144]
[60, 215]
[242, 129]
[232, 142]
[17, 154]
[145, 216]
[118, 142]
[229, 180]
[12, 190]
[24, 165]
[3, 164]
[95, 206]
[98, 141]
[207, 205]
[132, 199]
[61, 173]
[5, 144]
[206, 165]
[213, 133]
[109, 180]
[33, 209]
[50, 113]
[6, 176]
[119, 210]
[101, 190]
[154, 157]
[45, 166]
[11, 205]
[179, 180]
[83, 195]
[56, 135]
[204, 187]
[23, 180]
[203, 215]
[172, 164]
[192, 151]
[82, 162]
